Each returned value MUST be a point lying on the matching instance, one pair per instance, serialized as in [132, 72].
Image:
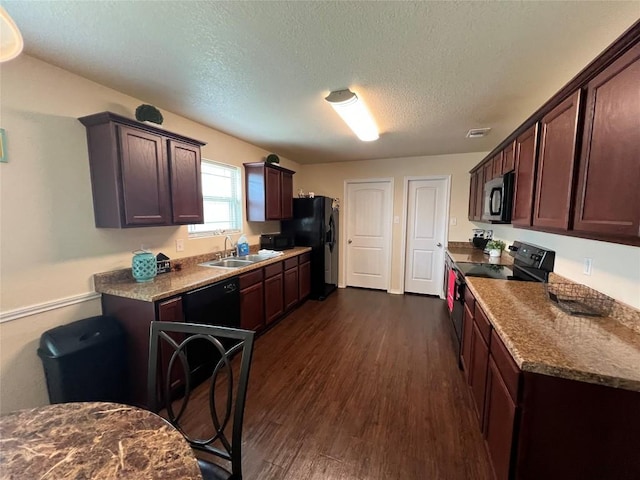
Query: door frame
[343, 221]
[405, 213]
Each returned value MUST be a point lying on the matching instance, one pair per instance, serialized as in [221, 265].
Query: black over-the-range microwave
[497, 199]
[276, 241]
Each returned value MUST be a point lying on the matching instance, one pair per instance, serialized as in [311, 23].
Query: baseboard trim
[18, 313]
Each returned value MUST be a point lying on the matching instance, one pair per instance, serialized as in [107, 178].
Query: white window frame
[201, 230]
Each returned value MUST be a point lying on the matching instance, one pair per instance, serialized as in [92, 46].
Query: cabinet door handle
[438, 244]
[350, 242]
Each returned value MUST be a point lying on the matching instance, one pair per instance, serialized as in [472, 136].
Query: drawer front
[483, 323]
[305, 257]
[507, 367]
[469, 299]
[271, 270]
[250, 278]
[290, 263]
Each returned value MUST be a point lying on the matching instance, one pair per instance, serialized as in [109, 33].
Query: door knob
[350, 242]
[439, 244]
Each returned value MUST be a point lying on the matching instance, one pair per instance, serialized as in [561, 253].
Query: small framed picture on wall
[3, 146]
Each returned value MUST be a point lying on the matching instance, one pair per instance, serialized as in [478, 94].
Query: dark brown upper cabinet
[556, 165]
[608, 188]
[269, 192]
[476, 190]
[473, 186]
[576, 157]
[525, 171]
[142, 175]
[497, 165]
[509, 157]
[479, 194]
[186, 183]
[488, 172]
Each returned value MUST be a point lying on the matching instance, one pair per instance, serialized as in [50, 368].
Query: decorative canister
[143, 266]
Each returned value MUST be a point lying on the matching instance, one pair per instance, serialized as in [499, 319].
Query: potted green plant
[495, 247]
[149, 113]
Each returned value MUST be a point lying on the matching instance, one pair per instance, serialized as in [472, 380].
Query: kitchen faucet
[233, 246]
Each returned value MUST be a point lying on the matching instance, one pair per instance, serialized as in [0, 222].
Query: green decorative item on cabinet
[149, 113]
[273, 158]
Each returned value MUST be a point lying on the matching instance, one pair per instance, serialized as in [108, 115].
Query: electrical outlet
[453, 221]
[586, 266]
[179, 245]
[396, 219]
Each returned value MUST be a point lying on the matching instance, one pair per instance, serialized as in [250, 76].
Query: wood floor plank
[363, 385]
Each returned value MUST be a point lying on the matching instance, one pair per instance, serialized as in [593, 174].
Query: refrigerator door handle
[332, 233]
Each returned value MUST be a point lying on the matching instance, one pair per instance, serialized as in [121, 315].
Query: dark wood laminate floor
[361, 386]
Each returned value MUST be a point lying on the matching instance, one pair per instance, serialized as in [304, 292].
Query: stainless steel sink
[227, 263]
[256, 257]
[239, 262]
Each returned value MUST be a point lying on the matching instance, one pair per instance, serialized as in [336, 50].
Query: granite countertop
[544, 339]
[191, 276]
[93, 440]
[475, 255]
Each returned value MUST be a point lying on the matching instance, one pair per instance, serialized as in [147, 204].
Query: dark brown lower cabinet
[538, 426]
[136, 316]
[170, 311]
[499, 418]
[291, 292]
[304, 275]
[291, 283]
[571, 430]
[467, 328]
[478, 370]
[273, 292]
[252, 300]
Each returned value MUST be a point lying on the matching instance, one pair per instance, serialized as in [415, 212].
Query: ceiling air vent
[478, 132]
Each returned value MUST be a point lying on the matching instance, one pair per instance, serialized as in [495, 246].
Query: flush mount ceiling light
[478, 132]
[354, 113]
[10, 38]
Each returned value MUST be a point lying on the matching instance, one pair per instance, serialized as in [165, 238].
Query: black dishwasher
[217, 304]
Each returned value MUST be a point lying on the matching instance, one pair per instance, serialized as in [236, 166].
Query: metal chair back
[172, 383]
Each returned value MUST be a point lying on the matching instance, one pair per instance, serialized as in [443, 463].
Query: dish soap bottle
[243, 246]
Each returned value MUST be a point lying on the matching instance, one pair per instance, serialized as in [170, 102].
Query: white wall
[49, 246]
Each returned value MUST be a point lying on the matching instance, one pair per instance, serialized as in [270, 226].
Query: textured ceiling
[428, 71]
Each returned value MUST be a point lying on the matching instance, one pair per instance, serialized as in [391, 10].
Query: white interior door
[426, 228]
[368, 234]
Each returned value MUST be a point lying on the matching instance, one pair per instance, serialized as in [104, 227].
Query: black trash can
[85, 361]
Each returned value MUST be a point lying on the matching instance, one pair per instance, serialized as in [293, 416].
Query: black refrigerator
[315, 225]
